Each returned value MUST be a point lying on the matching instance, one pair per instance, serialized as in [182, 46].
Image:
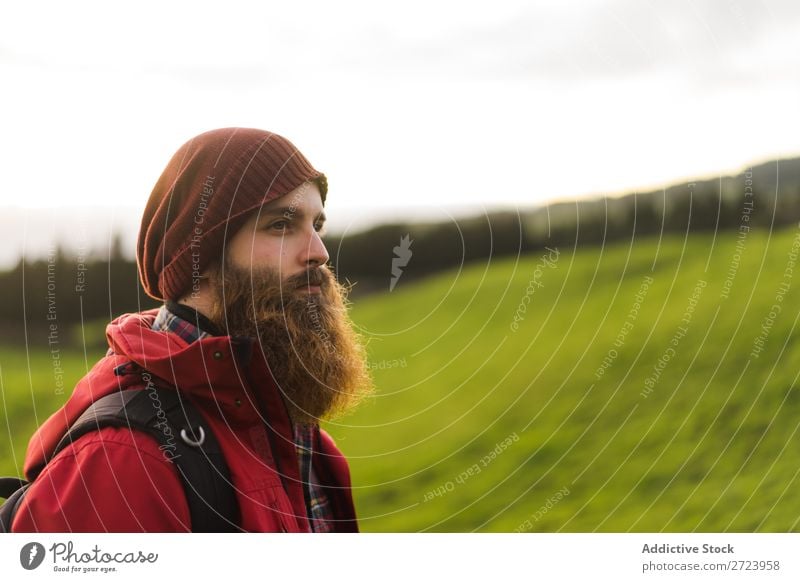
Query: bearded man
[253, 333]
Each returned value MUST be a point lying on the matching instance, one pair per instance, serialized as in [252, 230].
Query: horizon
[346, 221]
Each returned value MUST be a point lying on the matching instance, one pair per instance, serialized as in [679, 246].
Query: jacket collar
[211, 367]
[188, 321]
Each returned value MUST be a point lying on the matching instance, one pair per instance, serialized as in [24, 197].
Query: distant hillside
[699, 206]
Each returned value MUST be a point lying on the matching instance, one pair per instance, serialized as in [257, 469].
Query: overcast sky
[424, 108]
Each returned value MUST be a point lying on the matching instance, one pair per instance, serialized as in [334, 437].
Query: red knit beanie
[205, 194]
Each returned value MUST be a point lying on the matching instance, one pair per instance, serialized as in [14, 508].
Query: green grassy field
[34, 382]
[641, 387]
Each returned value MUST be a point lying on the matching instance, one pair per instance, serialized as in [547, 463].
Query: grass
[708, 449]
[34, 382]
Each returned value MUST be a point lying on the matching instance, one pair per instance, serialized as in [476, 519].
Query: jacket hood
[211, 368]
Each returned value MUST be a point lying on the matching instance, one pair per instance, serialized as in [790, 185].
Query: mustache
[319, 276]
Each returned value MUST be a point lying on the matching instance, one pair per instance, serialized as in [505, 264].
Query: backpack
[197, 455]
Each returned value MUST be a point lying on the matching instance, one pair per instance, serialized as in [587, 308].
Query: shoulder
[328, 444]
[106, 377]
[112, 479]
[116, 444]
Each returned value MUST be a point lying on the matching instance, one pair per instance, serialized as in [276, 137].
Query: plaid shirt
[317, 505]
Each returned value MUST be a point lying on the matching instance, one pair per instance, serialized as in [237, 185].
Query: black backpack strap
[9, 485]
[12, 490]
[185, 439]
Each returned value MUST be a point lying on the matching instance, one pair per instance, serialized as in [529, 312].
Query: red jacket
[116, 480]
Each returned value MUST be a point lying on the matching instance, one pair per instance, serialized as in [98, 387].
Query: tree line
[68, 292]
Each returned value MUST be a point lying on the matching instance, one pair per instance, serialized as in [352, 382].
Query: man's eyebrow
[290, 213]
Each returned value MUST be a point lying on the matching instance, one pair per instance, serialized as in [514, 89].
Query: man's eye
[280, 225]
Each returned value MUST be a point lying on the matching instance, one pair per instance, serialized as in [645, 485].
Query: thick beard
[316, 358]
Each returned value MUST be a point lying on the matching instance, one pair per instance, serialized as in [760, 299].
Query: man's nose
[317, 254]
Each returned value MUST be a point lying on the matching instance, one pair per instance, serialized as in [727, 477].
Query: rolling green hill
[645, 386]
[603, 437]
